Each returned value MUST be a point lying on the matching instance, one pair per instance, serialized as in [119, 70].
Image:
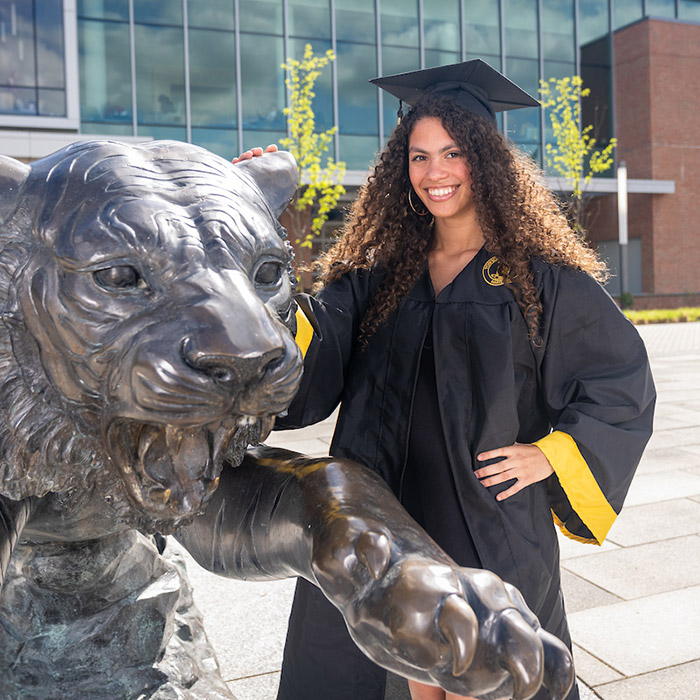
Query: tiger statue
[146, 347]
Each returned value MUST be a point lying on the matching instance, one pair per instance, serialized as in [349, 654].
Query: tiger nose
[229, 370]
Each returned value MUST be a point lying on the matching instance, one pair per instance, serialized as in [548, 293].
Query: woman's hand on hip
[526, 464]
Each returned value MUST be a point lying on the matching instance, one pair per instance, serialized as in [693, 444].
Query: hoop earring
[410, 204]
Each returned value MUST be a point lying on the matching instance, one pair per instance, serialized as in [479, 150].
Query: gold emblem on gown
[492, 273]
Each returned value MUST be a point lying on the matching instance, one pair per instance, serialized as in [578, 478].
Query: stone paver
[656, 521]
[676, 683]
[656, 460]
[580, 594]
[571, 548]
[262, 687]
[664, 339]
[593, 671]
[644, 570]
[652, 488]
[643, 635]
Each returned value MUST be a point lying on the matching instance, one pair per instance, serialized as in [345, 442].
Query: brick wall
[657, 97]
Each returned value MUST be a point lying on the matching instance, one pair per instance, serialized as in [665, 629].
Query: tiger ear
[276, 175]
[12, 176]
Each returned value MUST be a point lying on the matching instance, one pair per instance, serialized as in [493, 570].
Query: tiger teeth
[160, 495]
[173, 437]
[266, 425]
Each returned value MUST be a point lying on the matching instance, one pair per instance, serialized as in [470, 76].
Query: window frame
[72, 119]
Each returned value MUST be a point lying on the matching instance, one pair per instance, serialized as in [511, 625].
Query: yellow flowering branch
[573, 155]
[321, 187]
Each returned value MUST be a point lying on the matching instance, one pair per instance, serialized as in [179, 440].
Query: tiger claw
[459, 626]
[524, 661]
[559, 672]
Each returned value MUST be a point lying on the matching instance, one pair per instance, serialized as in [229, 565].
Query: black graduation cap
[473, 85]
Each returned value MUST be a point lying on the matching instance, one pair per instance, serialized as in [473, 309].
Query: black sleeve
[600, 395]
[332, 320]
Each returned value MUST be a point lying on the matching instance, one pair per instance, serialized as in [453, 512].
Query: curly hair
[519, 217]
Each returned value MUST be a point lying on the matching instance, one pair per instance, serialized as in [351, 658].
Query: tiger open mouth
[170, 472]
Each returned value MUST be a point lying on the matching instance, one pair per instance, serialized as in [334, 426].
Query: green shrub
[641, 317]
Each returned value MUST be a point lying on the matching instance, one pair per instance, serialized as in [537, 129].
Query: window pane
[525, 73]
[396, 60]
[440, 58]
[104, 9]
[661, 8]
[355, 20]
[212, 78]
[160, 71]
[399, 60]
[223, 142]
[558, 30]
[689, 9]
[106, 129]
[105, 71]
[210, 14]
[52, 103]
[400, 22]
[323, 100]
[524, 125]
[264, 16]
[357, 99]
[441, 25]
[263, 88]
[493, 61]
[596, 72]
[310, 18]
[358, 152]
[32, 56]
[18, 100]
[481, 27]
[521, 28]
[172, 133]
[158, 11]
[262, 138]
[17, 66]
[627, 11]
[558, 69]
[49, 45]
[593, 20]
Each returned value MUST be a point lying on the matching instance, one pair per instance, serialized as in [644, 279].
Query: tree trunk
[298, 224]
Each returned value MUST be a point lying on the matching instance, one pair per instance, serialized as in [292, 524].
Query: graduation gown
[584, 395]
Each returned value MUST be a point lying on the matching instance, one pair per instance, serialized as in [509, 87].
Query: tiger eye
[119, 277]
[269, 273]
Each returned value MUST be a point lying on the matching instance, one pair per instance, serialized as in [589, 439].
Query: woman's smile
[439, 194]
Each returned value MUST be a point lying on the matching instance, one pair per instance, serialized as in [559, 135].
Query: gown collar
[479, 280]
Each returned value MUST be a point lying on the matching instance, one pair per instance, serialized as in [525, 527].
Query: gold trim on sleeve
[579, 484]
[305, 332]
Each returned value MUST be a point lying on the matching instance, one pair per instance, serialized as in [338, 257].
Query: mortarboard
[473, 85]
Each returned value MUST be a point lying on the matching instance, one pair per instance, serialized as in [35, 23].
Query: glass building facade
[209, 71]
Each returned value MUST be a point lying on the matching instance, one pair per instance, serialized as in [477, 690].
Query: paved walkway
[634, 603]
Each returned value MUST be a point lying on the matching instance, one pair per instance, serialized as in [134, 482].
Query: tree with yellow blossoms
[320, 183]
[573, 154]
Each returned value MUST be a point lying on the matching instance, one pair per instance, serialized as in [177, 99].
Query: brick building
[657, 123]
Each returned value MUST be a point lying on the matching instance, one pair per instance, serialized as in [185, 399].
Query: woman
[482, 370]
